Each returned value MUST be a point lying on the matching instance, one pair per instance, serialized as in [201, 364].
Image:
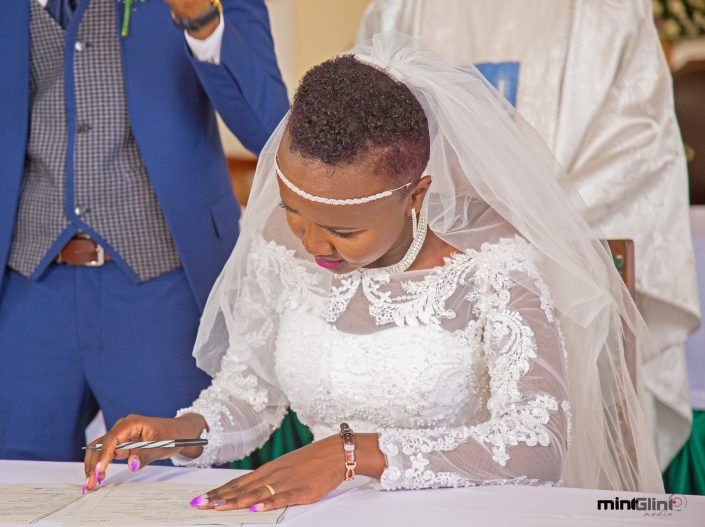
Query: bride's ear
[419, 193]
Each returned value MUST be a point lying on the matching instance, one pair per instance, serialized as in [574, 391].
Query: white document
[122, 505]
[24, 504]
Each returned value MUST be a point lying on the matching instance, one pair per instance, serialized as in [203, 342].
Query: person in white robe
[591, 78]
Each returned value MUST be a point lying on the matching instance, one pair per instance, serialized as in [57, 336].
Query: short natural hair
[345, 109]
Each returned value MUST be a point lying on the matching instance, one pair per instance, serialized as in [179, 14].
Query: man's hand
[194, 9]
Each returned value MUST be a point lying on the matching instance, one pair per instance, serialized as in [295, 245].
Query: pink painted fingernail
[199, 501]
[256, 507]
[97, 473]
[135, 464]
[85, 486]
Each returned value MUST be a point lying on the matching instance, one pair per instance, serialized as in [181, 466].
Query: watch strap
[194, 24]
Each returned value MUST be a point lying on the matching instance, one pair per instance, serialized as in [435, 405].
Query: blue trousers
[84, 338]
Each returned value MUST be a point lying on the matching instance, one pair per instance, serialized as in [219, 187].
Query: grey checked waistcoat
[112, 191]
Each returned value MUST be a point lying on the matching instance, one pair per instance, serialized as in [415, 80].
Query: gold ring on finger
[269, 487]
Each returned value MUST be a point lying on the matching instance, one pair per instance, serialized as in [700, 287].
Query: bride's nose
[314, 241]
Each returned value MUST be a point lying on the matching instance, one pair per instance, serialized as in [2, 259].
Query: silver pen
[166, 443]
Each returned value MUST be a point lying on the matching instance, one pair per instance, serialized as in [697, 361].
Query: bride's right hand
[141, 428]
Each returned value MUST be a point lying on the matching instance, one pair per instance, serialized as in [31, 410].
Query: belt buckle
[100, 257]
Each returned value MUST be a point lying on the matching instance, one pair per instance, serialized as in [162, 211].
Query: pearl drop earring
[414, 223]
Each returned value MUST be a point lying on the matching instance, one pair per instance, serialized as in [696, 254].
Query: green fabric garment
[290, 435]
[686, 473]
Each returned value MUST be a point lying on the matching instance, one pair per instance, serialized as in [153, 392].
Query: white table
[355, 504]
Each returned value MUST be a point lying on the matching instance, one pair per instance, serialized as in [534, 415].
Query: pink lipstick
[327, 264]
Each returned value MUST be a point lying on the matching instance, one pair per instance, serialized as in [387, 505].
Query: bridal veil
[483, 157]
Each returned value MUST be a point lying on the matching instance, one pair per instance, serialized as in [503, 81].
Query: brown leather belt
[82, 251]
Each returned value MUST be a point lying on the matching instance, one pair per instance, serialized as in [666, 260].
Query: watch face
[348, 447]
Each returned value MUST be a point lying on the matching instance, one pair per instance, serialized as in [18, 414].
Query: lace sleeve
[526, 434]
[238, 412]
[244, 404]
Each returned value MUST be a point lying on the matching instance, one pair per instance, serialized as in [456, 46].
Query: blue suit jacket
[171, 98]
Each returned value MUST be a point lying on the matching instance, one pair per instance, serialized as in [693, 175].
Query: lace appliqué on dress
[423, 302]
[509, 347]
[415, 445]
[296, 286]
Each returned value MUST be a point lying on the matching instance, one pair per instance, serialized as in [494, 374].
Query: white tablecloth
[355, 504]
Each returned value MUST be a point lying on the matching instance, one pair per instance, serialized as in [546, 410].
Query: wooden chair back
[623, 256]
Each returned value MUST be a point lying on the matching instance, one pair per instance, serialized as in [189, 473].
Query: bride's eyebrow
[329, 227]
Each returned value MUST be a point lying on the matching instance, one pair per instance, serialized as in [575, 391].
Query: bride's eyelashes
[344, 235]
[285, 207]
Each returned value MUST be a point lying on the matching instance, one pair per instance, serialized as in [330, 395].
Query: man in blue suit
[116, 211]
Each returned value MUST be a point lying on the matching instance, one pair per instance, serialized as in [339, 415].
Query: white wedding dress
[459, 369]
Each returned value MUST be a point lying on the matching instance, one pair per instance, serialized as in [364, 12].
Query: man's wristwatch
[194, 24]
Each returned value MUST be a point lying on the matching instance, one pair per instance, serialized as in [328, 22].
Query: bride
[415, 284]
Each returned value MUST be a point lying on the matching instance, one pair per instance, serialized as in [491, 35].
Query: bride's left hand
[303, 476]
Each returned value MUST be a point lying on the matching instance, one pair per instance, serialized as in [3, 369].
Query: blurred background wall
[301, 40]
[307, 32]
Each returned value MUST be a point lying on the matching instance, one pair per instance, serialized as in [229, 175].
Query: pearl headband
[331, 201]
